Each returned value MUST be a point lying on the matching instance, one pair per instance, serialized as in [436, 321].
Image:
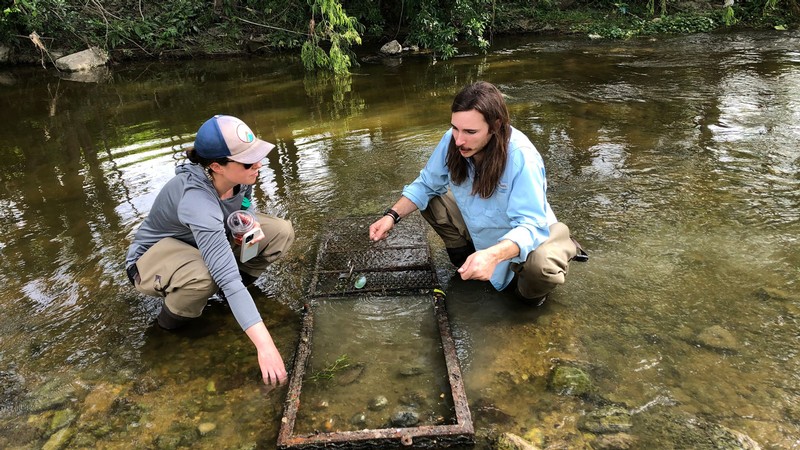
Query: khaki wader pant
[545, 268]
[175, 270]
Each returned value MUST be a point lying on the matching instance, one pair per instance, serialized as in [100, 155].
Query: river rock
[413, 399]
[83, 60]
[59, 439]
[378, 403]
[350, 374]
[717, 338]
[206, 428]
[359, 419]
[510, 441]
[392, 48]
[51, 395]
[611, 419]
[566, 380]
[100, 400]
[411, 371]
[491, 413]
[660, 425]
[404, 418]
[616, 441]
[62, 418]
[12, 388]
[5, 54]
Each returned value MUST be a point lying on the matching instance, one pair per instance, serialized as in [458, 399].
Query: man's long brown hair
[487, 100]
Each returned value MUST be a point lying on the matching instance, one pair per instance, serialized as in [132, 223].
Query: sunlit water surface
[674, 161]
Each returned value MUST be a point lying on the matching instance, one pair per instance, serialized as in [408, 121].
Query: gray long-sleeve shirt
[189, 209]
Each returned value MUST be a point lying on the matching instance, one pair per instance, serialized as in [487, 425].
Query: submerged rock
[660, 425]
[413, 399]
[206, 428]
[617, 441]
[510, 441]
[378, 403]
[51, 395]
[411, 371]
[566, 380]
[59, 439]
[350, 374]
[12, 388]
[359, 419]
[717, 338]
[62, 418]
[611, 419]
[404, 418]
[179, 435]
[491, 413]
[768, 293]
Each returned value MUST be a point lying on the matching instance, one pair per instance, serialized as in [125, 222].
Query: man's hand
[481, 264]
[380, 228]
[478, 266]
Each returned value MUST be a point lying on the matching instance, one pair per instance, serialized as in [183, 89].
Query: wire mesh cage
[349, 268]
[349, 263]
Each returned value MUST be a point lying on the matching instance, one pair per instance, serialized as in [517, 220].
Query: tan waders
[545, 268]
[175, 270]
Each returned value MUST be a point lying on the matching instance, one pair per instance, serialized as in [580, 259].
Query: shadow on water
[674, 161]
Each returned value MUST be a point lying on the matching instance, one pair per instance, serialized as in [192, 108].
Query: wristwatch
[393, 213]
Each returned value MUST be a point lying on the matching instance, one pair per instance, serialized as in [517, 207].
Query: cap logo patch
[244, 133]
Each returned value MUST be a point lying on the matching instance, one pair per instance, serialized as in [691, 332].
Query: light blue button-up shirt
[517, 210]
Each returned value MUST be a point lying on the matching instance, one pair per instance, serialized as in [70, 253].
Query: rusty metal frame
[414, 276]
[434, 436]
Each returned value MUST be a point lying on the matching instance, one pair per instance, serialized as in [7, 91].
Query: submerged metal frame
[340, 258]
[430, 436]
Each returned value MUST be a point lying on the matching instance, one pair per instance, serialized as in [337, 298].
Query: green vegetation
[341, 363]
[325, 32]
[335, 27]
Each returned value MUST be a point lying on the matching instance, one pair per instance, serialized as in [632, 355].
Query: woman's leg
[175, 270]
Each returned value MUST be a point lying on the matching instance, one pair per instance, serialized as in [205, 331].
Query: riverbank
[199, 33]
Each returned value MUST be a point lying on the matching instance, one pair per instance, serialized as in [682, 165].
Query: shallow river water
[674, 161]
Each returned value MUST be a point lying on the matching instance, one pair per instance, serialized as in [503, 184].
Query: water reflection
[675, 161]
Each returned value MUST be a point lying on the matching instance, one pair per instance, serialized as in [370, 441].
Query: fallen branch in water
[37, 41]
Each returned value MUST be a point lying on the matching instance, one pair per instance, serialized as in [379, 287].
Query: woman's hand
[257, 237]
[273, 370]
